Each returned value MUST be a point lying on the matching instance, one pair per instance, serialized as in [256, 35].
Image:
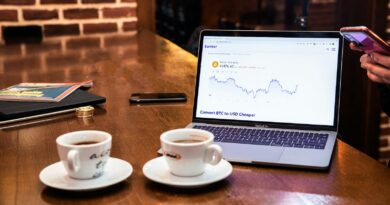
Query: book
[40, 92]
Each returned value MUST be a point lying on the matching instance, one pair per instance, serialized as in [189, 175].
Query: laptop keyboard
[309, 140]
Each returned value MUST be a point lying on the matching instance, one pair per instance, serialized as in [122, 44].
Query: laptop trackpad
[249, 153]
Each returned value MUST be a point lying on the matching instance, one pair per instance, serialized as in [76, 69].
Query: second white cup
[187, 151]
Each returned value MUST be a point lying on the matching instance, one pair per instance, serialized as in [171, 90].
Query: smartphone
[157, 97]
[365, 39]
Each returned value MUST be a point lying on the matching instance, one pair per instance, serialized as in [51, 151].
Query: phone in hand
[365, 39]
[157, 97]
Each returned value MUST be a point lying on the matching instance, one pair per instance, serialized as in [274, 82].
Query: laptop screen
[273, 78]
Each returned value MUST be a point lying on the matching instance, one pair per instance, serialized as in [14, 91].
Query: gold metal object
[86, 111]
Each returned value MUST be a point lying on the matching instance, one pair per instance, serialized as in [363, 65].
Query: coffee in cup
[187, 151]
[84, 154]
[185, 141]
[85, 142]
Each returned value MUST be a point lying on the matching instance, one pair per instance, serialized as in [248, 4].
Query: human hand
[352, 46]
[377, 66]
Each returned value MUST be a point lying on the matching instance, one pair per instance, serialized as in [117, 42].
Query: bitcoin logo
[215, 64]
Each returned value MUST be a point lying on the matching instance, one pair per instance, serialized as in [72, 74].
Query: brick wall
[70, 17]
[384, 141]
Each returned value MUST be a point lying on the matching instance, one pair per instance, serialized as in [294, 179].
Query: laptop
[270, 97]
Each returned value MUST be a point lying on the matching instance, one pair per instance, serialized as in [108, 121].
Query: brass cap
[86, 111]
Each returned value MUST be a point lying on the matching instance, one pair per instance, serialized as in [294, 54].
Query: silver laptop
[270, 97]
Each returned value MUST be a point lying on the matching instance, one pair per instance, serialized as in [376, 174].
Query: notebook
[270, 97]
[12, 111]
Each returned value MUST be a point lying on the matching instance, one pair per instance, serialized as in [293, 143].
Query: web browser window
[268, 79]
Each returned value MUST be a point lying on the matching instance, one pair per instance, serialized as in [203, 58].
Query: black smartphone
[157, 97]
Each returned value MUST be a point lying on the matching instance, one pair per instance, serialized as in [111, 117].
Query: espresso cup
[187, 151]
[84, 154]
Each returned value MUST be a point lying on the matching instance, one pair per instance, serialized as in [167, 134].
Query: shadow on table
[53, 196]
[156, 187]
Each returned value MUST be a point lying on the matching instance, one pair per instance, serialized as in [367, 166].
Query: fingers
[376, 64]
[381, 59]
[377, 72]
[375, 78]
[352, 46]
[366, 58]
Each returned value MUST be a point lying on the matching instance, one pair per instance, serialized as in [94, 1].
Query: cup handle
[73, 160]
[213, 154]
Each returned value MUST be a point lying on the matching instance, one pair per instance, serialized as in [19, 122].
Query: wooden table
[126, 63]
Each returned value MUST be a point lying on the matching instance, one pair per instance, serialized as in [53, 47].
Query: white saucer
[157, 171]
[55, 176]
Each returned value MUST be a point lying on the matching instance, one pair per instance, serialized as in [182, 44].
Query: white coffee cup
[84, 154]
[187, 151]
